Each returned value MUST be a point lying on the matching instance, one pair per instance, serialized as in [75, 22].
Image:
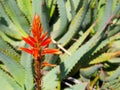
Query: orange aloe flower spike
[38, 48]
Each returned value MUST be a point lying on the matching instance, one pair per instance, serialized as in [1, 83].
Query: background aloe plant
[86, 31]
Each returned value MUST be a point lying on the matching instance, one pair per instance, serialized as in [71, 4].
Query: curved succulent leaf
[113, 76]
[51, 4]
[86, 72]
[63, 19]
[13, 14]
[15, 69]
[80, 86]
[9, 51]
[75, 24]
[26, 8]
[104, 57]
[7, 82]
[77, 44]
[26, 61]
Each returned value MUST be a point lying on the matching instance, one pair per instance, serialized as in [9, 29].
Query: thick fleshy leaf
[14, 68]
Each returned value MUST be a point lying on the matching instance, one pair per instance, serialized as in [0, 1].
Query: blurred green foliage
[86, 31]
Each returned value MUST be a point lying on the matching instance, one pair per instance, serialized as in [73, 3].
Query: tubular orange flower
[26, 50]
[39, 41]
[50, 51]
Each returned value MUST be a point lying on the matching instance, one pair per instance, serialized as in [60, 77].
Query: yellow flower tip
[58, 52]
[36, 16]
[19, 48]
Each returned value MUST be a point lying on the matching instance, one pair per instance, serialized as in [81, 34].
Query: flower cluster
[39, 41]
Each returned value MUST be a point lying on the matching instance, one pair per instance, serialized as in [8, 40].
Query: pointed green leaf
[63, 19]
[81, 86]
[7, 83]
[113, 76]
[27, 62]
[86, 72]
[75, 24]
[9, 51]
[78, 43]
[12, 10]
[105, 57]
[15, 69]
[26, 8]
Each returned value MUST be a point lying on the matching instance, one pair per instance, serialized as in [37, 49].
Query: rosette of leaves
[87, 31]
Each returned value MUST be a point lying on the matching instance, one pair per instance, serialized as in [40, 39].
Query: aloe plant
[86, 31]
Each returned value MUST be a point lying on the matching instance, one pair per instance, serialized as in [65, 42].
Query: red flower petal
[32, 39]
[40, 31]
[50, 51]
[43, 36]
[46, 42]
[48, 64]
[33, 31]
[26, 50]
[27, 40]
